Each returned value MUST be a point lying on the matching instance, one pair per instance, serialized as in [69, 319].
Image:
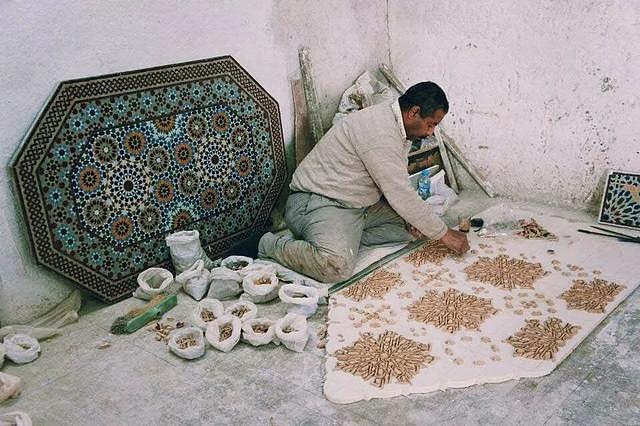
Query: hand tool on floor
[139, 317]
[615, 232]
[618, 235]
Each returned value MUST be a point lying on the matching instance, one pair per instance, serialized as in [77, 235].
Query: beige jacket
[363, 157]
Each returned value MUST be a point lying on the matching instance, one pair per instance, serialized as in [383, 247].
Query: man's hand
[456, 241]
[414, 232]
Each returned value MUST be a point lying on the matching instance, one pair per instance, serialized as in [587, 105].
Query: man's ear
[414, 111]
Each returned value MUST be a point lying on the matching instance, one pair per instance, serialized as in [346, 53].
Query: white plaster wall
[44, 42]
[544, 95]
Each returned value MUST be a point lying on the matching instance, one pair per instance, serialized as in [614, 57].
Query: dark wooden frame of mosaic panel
[40, 140]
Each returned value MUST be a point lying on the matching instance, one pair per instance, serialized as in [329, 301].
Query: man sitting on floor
[335, 203]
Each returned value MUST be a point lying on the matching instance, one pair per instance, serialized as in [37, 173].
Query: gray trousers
[327, 235]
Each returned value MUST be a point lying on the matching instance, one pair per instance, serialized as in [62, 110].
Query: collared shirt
[397, 112]
[363, 157]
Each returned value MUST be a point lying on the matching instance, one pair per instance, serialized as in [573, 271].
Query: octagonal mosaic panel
[115, 163]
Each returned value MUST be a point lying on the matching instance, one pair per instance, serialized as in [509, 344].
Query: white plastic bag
[236, 263]
[258, 331]
[365, 91]
[224, 333]
[155, 281]
[195, 280]
[442, 197]
[225, 284]
[10, 386]
[260, 287]
[185, 250]
[292, 332]
[206, 310]
[187, 343]
[299, 299]
[15, 418]
[243, 310]
[21, 348]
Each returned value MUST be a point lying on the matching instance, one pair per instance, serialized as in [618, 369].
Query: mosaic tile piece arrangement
[593, 296]
[389, 355]
[504, 271]
[377, 285]
[481, 318]
[621, 200]
[115, 163]
[451, 310]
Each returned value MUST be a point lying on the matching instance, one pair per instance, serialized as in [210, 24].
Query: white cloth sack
[259, 267]
[214, 330]
[191, 352]
[10, 386]
[214, 306]
[155, 281]
[292, 332]
[15, 418]
[260, 293]
[251, 310]
[21, 348]
[299, 299]
[185, 250]
[225, 284]
[233, 263]
[195, 280]
[254, 338]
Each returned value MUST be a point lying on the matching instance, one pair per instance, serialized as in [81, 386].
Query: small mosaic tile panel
[621, 200]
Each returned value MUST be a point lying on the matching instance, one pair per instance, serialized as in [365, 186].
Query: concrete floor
[137, 381]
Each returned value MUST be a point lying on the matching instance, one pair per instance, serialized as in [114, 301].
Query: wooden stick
[473, 172]
[301, 130]
[446, 162]
[313, 108]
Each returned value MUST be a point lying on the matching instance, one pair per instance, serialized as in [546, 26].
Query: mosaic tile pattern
[621, 200]
[115, 163]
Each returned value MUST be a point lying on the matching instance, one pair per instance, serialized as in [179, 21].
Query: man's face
[418, 127]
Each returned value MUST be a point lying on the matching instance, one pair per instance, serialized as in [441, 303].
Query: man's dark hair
[427, 95]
